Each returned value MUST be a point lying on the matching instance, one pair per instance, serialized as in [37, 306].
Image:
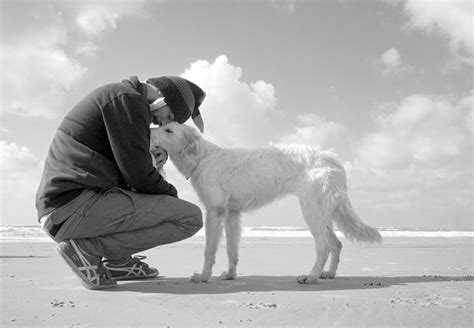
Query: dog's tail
[351, 225]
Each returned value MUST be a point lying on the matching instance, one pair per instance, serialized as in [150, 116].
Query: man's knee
[195, 216]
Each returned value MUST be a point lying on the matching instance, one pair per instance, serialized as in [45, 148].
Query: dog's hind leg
[213, 234]
[335, 247]
[319, 227]
[232, 232]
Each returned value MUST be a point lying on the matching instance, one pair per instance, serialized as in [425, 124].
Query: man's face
[162, 116]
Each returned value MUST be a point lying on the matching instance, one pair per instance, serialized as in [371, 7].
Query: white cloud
[422, 129]
[391, 58]
[452, 18]
[86, 48]
[96, 17]
[20, 174]
[314, 130]
[383, 150]
[285, 6]
[417, 162]
[235, 113]
[391, 63]
[419, 159]
[441, 193]
[240, 114]
[15, 158]
[37, 74]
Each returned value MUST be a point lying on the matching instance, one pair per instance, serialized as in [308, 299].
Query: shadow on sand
[182, 286]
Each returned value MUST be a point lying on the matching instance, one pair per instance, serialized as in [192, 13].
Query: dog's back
[251, 178]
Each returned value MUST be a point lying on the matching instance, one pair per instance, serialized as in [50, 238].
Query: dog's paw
[228, 275]
[307, 279]
[196, 277]
[327, 275]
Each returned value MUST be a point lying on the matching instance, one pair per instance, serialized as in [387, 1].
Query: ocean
[16, 233]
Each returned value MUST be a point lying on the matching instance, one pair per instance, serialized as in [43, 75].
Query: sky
[388, 85]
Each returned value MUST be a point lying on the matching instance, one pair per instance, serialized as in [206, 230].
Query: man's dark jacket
[103, 142]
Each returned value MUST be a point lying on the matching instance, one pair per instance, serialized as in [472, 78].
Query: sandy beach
[406, 282]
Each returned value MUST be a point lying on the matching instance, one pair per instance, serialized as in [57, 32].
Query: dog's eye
[168, 131]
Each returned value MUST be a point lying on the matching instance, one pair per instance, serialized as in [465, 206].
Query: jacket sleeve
[127, 122]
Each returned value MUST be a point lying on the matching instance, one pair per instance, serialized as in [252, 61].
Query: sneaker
[134, 268]
[88, 268]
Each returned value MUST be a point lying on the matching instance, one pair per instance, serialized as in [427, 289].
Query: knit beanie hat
[182, 96]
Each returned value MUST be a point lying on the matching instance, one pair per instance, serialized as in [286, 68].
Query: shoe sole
[82, 278]
[137, 278]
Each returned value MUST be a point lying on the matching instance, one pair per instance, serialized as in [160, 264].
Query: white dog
[231, 181]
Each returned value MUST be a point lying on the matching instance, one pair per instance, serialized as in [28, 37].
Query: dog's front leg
[213, 235]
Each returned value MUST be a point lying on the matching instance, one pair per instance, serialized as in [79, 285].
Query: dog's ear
[191, 136]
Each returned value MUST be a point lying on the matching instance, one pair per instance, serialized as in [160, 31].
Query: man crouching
[100, 196]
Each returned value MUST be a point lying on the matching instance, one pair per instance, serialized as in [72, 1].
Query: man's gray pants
[118, 223]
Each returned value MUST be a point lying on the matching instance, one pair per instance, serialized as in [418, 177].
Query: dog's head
[177, 139]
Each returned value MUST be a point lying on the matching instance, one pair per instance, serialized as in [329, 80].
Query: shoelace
[137, 259]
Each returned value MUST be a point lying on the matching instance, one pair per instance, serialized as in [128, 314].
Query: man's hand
[160, 155]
